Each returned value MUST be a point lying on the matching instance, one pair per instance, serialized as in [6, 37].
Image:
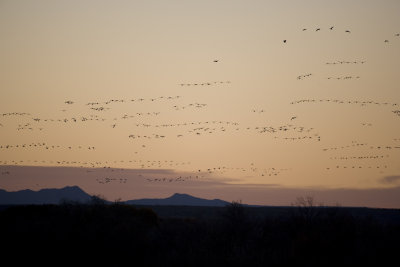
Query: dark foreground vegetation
[100, 234]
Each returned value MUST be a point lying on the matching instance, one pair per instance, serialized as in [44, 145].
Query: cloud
[391, 179]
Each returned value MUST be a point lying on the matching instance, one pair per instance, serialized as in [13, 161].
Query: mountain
[74, 193]
[44, 196]
[179, 200]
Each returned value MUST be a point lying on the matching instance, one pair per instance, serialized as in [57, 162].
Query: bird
[216, 60]
[347, 31]
[386, 41]
[304, 29]
[331, 28]
[284, 41]
[397, 34]
[318, 29]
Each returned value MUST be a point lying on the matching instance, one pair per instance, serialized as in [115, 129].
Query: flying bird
[347, 31]
[386, 41]
[284, 41]
[216, 60]
[318, 29]
[331, 28]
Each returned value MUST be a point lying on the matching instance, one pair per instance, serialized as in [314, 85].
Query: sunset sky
[259, 101]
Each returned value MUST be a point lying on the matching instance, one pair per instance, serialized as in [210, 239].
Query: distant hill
[44, 196]
[74, 193]
[179, 200]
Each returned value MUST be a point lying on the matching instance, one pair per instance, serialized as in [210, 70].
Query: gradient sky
[256, 119]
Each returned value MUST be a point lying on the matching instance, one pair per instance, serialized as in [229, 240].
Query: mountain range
[75, 193]
[179, 200]
[44, 196]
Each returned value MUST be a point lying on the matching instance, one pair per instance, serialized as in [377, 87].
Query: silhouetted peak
[181, 196]
[44, 196]
[73, 188]
[179, 199]
[67, 189]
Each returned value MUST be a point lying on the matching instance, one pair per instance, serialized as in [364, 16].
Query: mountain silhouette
[44, 196]
[75, 193]
[179, 200]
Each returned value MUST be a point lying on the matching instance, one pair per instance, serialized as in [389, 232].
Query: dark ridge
[179, 200]
[44, 196]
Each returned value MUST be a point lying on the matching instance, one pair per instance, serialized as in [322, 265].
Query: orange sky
[315, 113]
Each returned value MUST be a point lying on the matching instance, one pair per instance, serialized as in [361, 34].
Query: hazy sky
[134, 85]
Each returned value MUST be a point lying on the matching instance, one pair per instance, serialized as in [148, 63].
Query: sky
[259, 101]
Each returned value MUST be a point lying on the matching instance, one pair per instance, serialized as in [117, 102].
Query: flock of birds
[343, 62]
[136, 163]
[331, 28]
[43, 146]
[27, 126]
[352, 102]
[146, 165]
[221, 170]
[366, 158]
[345, 31]
[108, 180]
[205, 83]
[126, 100]
[358, 167]
[184, 124]
[344, 78]
[368, 124]
[359, 157]
[234, 127]
[301, 77]
[354, 144]
[288, 132]
[341, 101]
[362, 145]
[14, 114]
[191, 105]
